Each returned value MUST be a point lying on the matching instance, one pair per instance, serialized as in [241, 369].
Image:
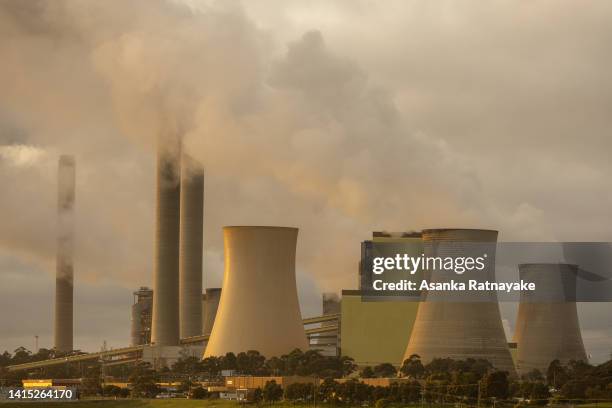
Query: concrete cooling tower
[64, 273]
[465, 329]
[210, 305]
[165, 325]
[547, 327]
[190, 270]
[259, 307]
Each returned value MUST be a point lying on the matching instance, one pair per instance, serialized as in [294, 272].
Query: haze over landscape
[339, 118]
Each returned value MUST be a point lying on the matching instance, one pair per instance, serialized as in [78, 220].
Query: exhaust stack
[192, 218]
[165, 325]
[64, 272]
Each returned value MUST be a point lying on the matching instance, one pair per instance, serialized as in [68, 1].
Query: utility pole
[315, 391]
[423, 394]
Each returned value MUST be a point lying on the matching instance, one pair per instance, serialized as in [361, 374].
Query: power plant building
[64, 272]
[375, 331]
[141, 316]
[191, 241]
[328, 343]
[547, 326]
[259, 307]
[460, 329]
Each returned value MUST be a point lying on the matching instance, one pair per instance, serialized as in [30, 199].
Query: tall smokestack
[460, 330]
[547, 326]
[165, 325]
[64, 272]
[192, 214]
[259, 308]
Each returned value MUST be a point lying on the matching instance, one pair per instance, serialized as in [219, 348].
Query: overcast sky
[338, 117]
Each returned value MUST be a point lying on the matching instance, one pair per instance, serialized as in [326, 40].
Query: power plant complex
[257, 307]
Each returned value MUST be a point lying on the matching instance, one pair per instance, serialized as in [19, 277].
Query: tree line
[443, 380]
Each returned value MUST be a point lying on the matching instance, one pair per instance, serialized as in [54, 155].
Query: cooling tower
[64, 273]
[465, 329]
[211, 305]
[165, 325]
[547, 327]
[259, 307]
[190, 264]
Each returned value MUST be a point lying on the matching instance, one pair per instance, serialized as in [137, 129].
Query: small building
[48, 383]
[249, 383]
[378, 382]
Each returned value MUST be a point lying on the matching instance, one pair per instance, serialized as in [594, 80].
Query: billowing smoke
[331, 129]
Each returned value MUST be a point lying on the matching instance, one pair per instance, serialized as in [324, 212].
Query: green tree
[327, 390]
[21, 355]
[367, 372]
[5, 359]
[413, 367]
[495, 385]
[199, 393]
[112, 391]
[144, 381]
[186, 385]
[257, 395]
[533, 376]
[188, 365]
[272, 392]
[251, 363]
[385, 370]
[299, 392]
[556, 375]
[229, 362]
[211, 366]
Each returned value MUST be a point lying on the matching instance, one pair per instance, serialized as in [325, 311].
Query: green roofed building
[375, 332]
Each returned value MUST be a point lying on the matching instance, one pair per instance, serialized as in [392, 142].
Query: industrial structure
[259, 307]
[547, 326]
[64, 272]
[374, 330]
[373, 333]
[191, 241]
[328, 343]
[210, 305]
[165, 325]
[141, 316]
[460, 329]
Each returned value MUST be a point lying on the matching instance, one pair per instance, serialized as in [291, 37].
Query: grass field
[128, 403]
[185, 403]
